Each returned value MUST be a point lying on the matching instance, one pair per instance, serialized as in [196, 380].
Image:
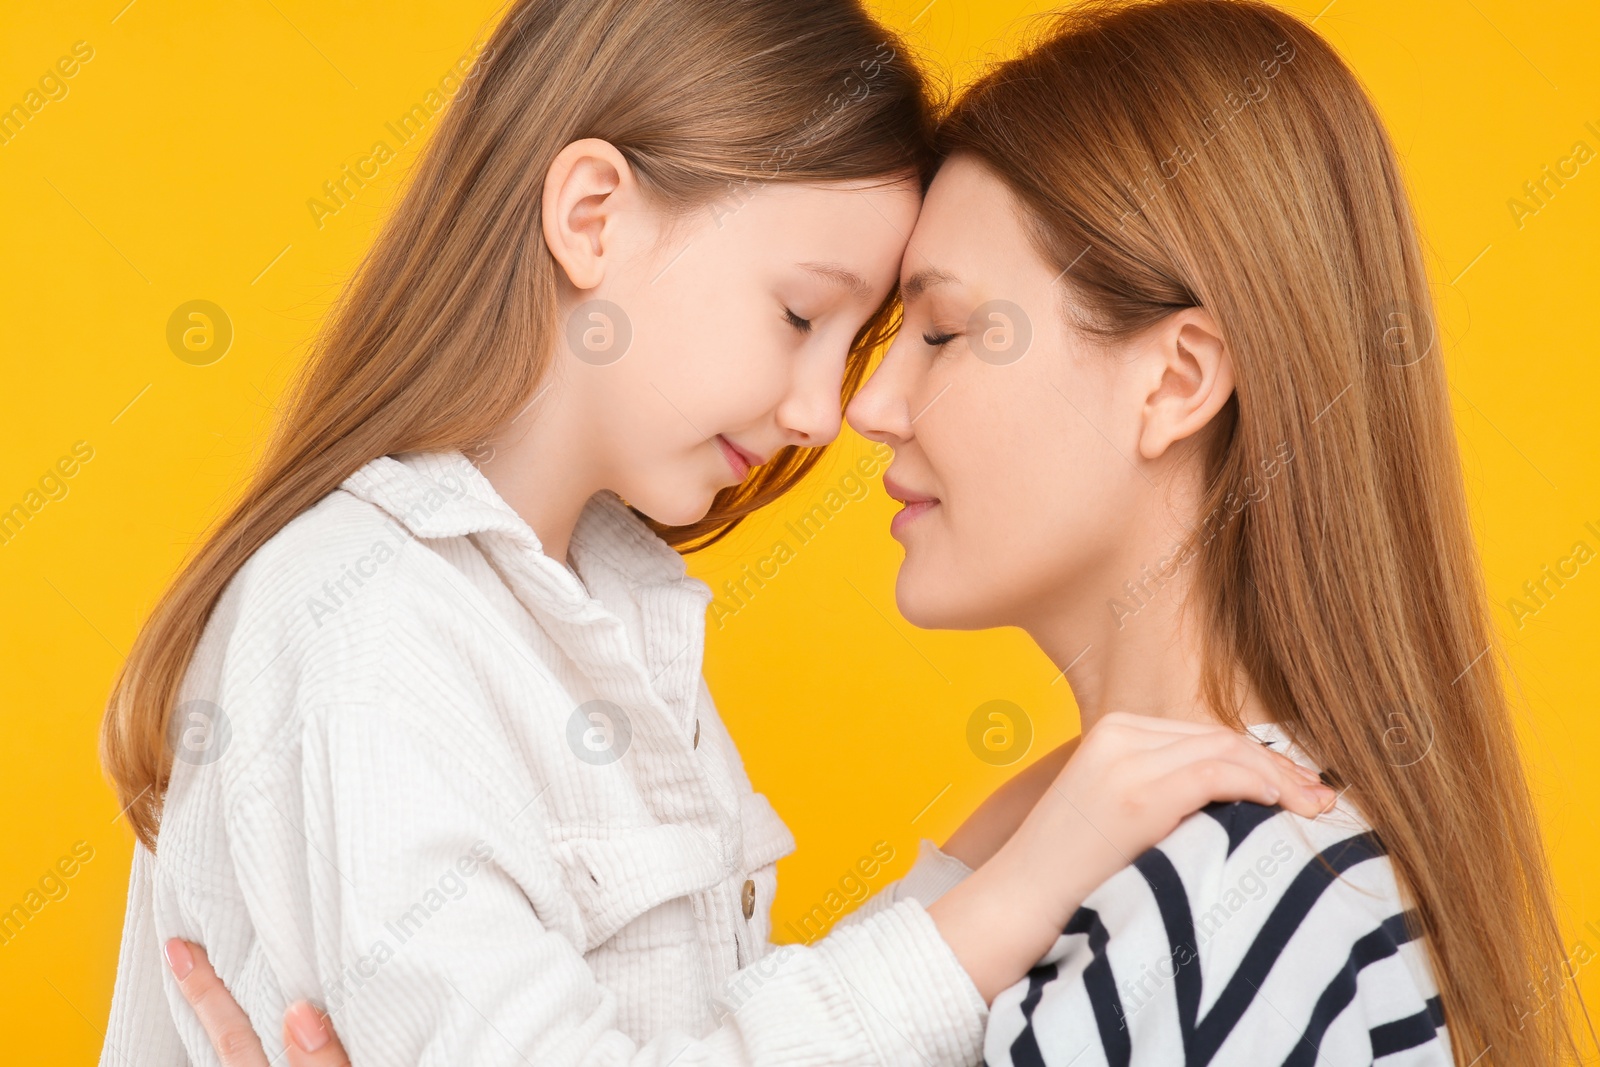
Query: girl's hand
[307, 1033]
[1131, 781]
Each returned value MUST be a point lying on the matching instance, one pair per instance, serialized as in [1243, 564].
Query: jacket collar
[638, 592]
[443, 494]
[635, 594]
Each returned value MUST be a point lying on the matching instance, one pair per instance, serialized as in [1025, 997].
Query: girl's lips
[739, 460]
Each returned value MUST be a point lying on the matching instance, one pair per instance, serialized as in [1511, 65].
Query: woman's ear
[1191, 376]
[587, 185]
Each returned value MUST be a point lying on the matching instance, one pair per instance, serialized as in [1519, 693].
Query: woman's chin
[919, 601]
[933, 598]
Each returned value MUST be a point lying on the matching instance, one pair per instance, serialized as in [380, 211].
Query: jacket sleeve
[443, 936]
[932, 874]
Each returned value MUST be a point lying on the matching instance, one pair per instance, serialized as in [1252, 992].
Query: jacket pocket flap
[617, 879]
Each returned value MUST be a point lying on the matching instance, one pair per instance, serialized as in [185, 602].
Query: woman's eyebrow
[837, 275]
[923, 280]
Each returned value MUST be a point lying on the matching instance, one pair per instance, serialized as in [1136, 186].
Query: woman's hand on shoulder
[307, 1033]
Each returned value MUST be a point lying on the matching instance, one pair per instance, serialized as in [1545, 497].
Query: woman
[426, 735]
[1225, 465]
[1160, 400]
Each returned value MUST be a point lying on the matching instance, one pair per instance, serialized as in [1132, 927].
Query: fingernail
[1272, 794]
[179, 958]
[306, 1026]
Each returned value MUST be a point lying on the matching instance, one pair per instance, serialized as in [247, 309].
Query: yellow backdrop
[170, 152]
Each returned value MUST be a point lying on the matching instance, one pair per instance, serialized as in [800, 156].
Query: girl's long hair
[444, 332]
[1220, 154]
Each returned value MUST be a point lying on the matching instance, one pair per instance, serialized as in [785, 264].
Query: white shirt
[487, 813]
[1231, 944]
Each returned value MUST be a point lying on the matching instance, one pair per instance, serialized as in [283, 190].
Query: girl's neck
[538, 467]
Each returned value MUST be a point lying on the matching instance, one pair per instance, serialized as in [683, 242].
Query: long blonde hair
[1218, 153]
[445, 330]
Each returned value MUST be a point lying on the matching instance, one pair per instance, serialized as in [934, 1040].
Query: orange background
[178, 166]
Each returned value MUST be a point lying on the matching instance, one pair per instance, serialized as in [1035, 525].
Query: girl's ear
[584, 190]
[1191, 379]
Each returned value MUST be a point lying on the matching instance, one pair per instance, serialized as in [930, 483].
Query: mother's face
[1015, 443]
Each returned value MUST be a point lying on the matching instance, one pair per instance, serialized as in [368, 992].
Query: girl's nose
[810, 411]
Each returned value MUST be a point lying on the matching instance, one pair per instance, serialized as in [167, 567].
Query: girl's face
[1018, 449]
[712, 341]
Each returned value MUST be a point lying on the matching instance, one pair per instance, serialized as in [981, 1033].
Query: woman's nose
[879, 410]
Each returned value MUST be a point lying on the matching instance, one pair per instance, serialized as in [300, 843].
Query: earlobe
[1194, 380]
[583, 190]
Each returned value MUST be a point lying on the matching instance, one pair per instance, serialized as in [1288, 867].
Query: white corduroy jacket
[485, 811]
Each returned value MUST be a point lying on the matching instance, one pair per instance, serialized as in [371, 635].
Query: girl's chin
[682, 509]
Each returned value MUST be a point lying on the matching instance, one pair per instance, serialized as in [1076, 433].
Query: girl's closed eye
[803, 325]
[940, 338]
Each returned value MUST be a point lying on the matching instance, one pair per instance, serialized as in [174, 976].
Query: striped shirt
[1232, 943]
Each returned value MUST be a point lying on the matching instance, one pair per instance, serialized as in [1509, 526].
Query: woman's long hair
[1218, 153]
[445, 331]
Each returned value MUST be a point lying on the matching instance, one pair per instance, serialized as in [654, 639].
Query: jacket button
[749, 897]
[697, 733]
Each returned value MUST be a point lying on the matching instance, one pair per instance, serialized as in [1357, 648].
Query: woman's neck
[1147, 661]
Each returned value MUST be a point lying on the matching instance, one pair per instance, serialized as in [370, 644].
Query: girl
[425, 736]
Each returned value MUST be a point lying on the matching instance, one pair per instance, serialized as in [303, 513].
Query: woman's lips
[738, 459]
[915, 504]
[907, 514]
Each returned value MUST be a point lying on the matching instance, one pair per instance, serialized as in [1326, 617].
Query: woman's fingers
[225, 1022]
[310, 1038]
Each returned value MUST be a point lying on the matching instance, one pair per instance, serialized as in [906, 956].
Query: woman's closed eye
[803, 325]
[938, 340]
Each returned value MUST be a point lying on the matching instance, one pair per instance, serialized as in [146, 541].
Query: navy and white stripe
[1248, 937]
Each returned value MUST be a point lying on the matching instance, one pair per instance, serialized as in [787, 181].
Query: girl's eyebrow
[837, 275]
[923, 280]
